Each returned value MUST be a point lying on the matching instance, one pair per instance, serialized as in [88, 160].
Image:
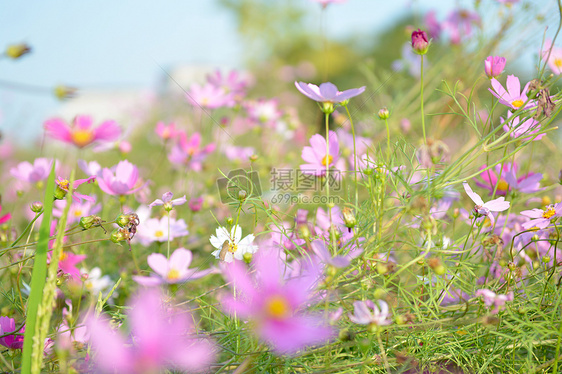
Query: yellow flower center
[82, 137]
[77, 213]
[277, 307]
[173, 274]
[327, 160]
[63, 183]
[159, 233]
[517, 103]
[558, 62]
[549, 212]
[63, 256]
[503, 185]
[232, 248]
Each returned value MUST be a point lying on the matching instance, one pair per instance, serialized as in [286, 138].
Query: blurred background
[122, 56]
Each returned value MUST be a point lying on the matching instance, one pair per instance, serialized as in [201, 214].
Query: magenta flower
[8, 325]
[420, 43]
[5, 218]
[327, 92]
[173, 270]
[459, 24]
[80, 132]
[209, 96]
[491, 298]
[494, 65]
[166, 132]
[326, 257]
[39, 171]
[168, 202]
[316, 157]
[486, 209]
[67, 264]
[161, 339]
[513, 97]
[277, 307]
[232, 82]
[542, 218]
[120, 180]
[63, 186]
[363, 315]
[508, 180]
[189, 151]
[195, 204]
[519, 129]
[433, 26]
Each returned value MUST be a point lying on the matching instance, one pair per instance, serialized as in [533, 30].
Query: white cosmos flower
[237, 247]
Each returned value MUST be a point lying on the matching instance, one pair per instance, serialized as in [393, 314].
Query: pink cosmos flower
[519, 129]
[346, 144]
[420, 42]
[508, 180]
[233, 153]
[8, 325]
[326, 257]
[63, 186]
[39, 171]
[168, 202]
[459, 24]
[277, 306]
[494, 65]
[486, 209]
[209, 96]
[553, 57]
[172, 271]
[325, 3]
[327, 92]
[542, 218]
[433, 26]
[67, 262]
[90, 168]
[232, 82]
[120, 179]
[166, 132]
[491, 298]
[316, 157]
[5, 218]
[363, 315]
[195, 204]
[77, 209]
[189, 151]
[162, 339]
[263, 111]
[156, 230]
[80, 132]
[513, 97]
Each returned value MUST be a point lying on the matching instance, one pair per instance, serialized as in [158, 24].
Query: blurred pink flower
[508, 180]
[363, 315]
[156, 230]
[209, 96]
[120, 180]
[277, 306]
[67, 261]
[232, 82]
[162, 339]
[553, 57]
[433, 26]
[195, 204]
[486, 209]
[189, 151]
[327, 92]
[491, 298]
[39, 171]
[316, 157]
[263, 111]
[5, 218]
[540, 218]
[493, 66]
[90, 168]
[8, 325]
[513, 97]
[80, 132]
[529, 127]
[325, 3]
[173, 270]
[166, 132]
[459, 24]
[233, 153]
[77, 209]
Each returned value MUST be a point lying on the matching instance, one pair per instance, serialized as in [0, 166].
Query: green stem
[355, 171]
[37, 215]
[421, 102]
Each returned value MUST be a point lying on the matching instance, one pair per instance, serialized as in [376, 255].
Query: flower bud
[242, 195]
[546, 259]
[247, 257]
[229, 221]
[36, 206]
[345, 335]
[119, 235]
[60, 193]
[384, 113]
[123, 220]
[195, 204]
[168, 206]
[17, 50]
[420, 43]
[348, 217]
[254, 158]
[493, 66]
[435, 264]
[328, 108]
[63, 92]
[87, 222]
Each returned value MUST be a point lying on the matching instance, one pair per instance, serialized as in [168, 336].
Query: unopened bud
[123, 220]
[348, 217]
[168, 206]
[119, 235]
[420, 43]
[254, 158]
[435, 264]
[229, 221]
[328, 108]
[546, 259]
[384, 113]
[247, 257]
[36, 206]
[382, 268]
[87, 222]
[242, 195]
[60, 193]
[17, 50]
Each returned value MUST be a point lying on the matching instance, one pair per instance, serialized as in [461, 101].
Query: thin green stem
[421, 102]
[355, 171]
